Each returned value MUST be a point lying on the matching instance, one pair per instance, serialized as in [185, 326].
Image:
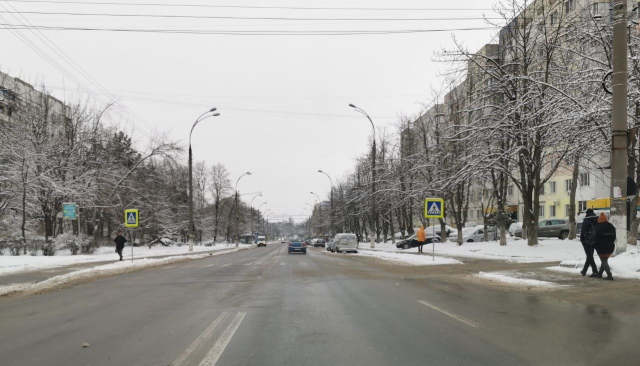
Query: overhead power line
[245, 32]
[173, 16]
[239, 6]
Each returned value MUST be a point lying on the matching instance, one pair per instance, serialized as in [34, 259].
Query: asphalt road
[265, 307]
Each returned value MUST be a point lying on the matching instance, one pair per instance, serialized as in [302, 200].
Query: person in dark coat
[587, 236]
[120, 240]
[605, 244]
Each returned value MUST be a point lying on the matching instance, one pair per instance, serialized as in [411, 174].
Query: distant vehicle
[262, 241]
[319, 243]
[476, 234]
[412, 241]
[345, 242]
[297, 246]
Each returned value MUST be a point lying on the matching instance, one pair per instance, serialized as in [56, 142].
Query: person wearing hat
[587, 238]
[605, 244]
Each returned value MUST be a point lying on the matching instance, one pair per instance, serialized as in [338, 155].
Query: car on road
[476, 234]
[345, 242]
[297, 246]
[262, 241]
[319, 243]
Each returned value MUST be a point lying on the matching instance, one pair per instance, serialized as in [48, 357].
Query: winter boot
[583, 273]
[596, 275]
[609, 277]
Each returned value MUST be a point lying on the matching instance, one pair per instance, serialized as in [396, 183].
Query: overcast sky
[283, 99]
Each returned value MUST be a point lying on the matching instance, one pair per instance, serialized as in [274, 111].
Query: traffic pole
[619, 126]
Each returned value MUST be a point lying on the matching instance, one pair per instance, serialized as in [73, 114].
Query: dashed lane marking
[184, 357]
[209, 265]
[216, 351]
[454, 316]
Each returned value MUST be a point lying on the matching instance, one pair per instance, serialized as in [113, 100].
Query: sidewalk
[28, 269]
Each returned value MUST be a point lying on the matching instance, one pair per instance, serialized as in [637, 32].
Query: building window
[552, 187]
[470, 214]
[569, 6]
[479, 214]
[554, 18]
[566, 210]
[552, 211]
[541, 211]
[541, 190]
[510, 190]
[582, 206]
[584, 179]
[567, 185]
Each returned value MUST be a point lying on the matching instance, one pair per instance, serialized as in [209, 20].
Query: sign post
[433, 209]
[131, 220]
[70, 212]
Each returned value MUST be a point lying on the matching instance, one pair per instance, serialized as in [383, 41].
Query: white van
[345, 243]
[262, 241]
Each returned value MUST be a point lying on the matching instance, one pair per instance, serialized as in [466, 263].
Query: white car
[476, 234]
[515, 229]
[345, 242]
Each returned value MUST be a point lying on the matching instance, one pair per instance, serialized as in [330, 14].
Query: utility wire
[120, 15]
[240, 6]
[246, 32]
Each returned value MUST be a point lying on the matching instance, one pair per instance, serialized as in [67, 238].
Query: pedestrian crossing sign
[433, 208]
[131, 218]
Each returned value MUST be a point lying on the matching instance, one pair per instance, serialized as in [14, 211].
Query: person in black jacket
[605, 244]
[587, 238]
[120, 240]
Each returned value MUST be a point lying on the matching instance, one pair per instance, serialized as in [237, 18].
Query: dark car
[298, 247]
[319, 243]
[412, 241]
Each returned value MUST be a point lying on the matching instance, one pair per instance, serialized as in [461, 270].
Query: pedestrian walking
[605, 244]
[422, 238]
[120, 240]
[588, 238]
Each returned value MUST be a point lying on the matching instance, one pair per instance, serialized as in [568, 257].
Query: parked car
[476, 234]
[297, 246]
[551, 228]
[515, 229]
[412, 241]
[262, 241]
[319, 243]
[345, 242]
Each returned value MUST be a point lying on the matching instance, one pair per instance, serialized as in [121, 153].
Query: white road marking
[184, 357]
[248, 264]
[169, 267]
[226, 264]
[282, 263]
[454, 316]
[209, 265]
[216, 351]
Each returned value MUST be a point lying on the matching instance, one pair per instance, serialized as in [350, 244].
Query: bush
[88, 246]
[49, 249]
[15, 246]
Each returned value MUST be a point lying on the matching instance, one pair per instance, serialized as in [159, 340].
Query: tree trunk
[572, 198]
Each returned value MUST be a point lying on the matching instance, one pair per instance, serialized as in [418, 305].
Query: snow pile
[408, 259]
[12, 264]
[516, 250]
[103, 270]
[625, 265]
[515, 280]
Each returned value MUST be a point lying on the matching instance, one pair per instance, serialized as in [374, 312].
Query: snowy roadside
[26, 263]
[516, 250]
[101, 271]
[514, 280]
[407, 259]
[625, 265]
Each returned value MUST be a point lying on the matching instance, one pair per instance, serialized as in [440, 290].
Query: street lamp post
[308, 220]
[319, 210]
[251, 213]
[191, 230]
[331, 180]
[238, 209]
[374, 216]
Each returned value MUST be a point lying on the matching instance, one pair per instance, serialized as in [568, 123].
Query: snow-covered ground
[516, 250]
[625, 265]
[408, 259]
[106, 269]
[514, 280]
[12, 264]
